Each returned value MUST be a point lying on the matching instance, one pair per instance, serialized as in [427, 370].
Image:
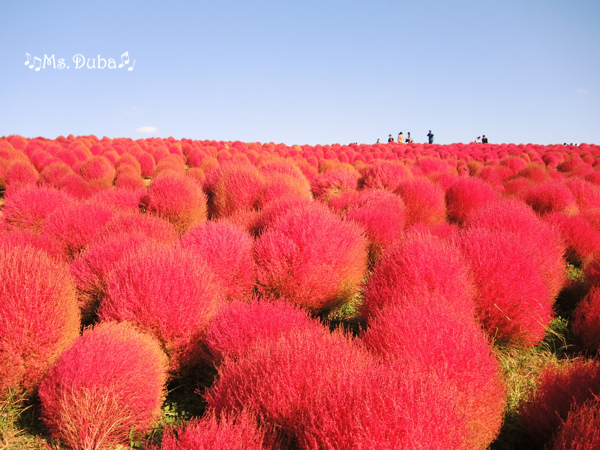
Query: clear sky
[304, 71]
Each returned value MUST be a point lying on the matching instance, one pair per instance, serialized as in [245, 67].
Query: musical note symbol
[28, 59]
[36, 62]
[132, 66]
[124, 59]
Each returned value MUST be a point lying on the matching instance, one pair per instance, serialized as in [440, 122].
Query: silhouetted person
[430, 137]
[390, 138]
[484, 140]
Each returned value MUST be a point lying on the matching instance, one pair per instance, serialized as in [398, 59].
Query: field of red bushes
[322, 297]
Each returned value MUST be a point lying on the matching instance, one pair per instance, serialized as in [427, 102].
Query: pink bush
[424, 200]
[334, 182]
[415, 266]
[98, 170]
[232, 432]
[240, 325]
[311, 258]
[91, 268]
[560, 389]
[176, 198]
[231, 187]
[592, 271]
[587, 195]
[38, 311]
[152, 227]
[168, 292]
[75, 225]
[227, 250]
[544, 241]
[551, 197]
[29, 207]
[385, 175]
[55, 173]
[382, 215]
[120, 198]
[466, 195]
[280, 184]
[281, 380]
[513, 300]
[280, 206]
[20, 173]
[107, 387]
[418, 335]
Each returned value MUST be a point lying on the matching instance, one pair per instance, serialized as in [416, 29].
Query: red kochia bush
[466, 195]
[513, 301]
[240, 325]
[168, 292]
[586, 323]
[551, 197]
[227, 250]
[152, 227]
[416, 265]
[91, 268]
[424, 200]
[75, 225]
[39, 316]
[280, 380]
[419, 334]
[176, 198]
[581, 429]
[106, 388]
[381, 214]
[581, 237]
[310, 257]
[231, 432]
[544, 241]
[29, 207]
[334, 182]
[560, 389]
[98, 170]
[385, 175]
[232, 187]
[20, 173]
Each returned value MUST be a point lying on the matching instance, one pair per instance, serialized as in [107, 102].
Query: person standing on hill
[430, 137]
[484, 140]
[408, 138]
[390, 138]
[400, 138]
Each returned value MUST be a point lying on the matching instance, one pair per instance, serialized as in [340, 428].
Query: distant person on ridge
[430, 137]
[390, 138]
[478, 140]
[378, 141]
[408, 138]
[400, 138]
[484, 140]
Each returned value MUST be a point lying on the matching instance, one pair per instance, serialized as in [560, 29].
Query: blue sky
[305, 72]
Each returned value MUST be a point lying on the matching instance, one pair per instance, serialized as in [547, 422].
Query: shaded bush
[561, 388]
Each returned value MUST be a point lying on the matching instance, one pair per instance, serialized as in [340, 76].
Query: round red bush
[231, 432]
[29, 207]
[240, 325]
[513, 301]
[418, 335]
[168, 292]
[39, 316]
[424, 200]
[581, 429]
[312, 258]
[551, 197]
[107, 388]
[466, 195]
[415, 266]
[176, 198]
[385, 175]
[586, 323]
[231, 187]
[98, 169]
